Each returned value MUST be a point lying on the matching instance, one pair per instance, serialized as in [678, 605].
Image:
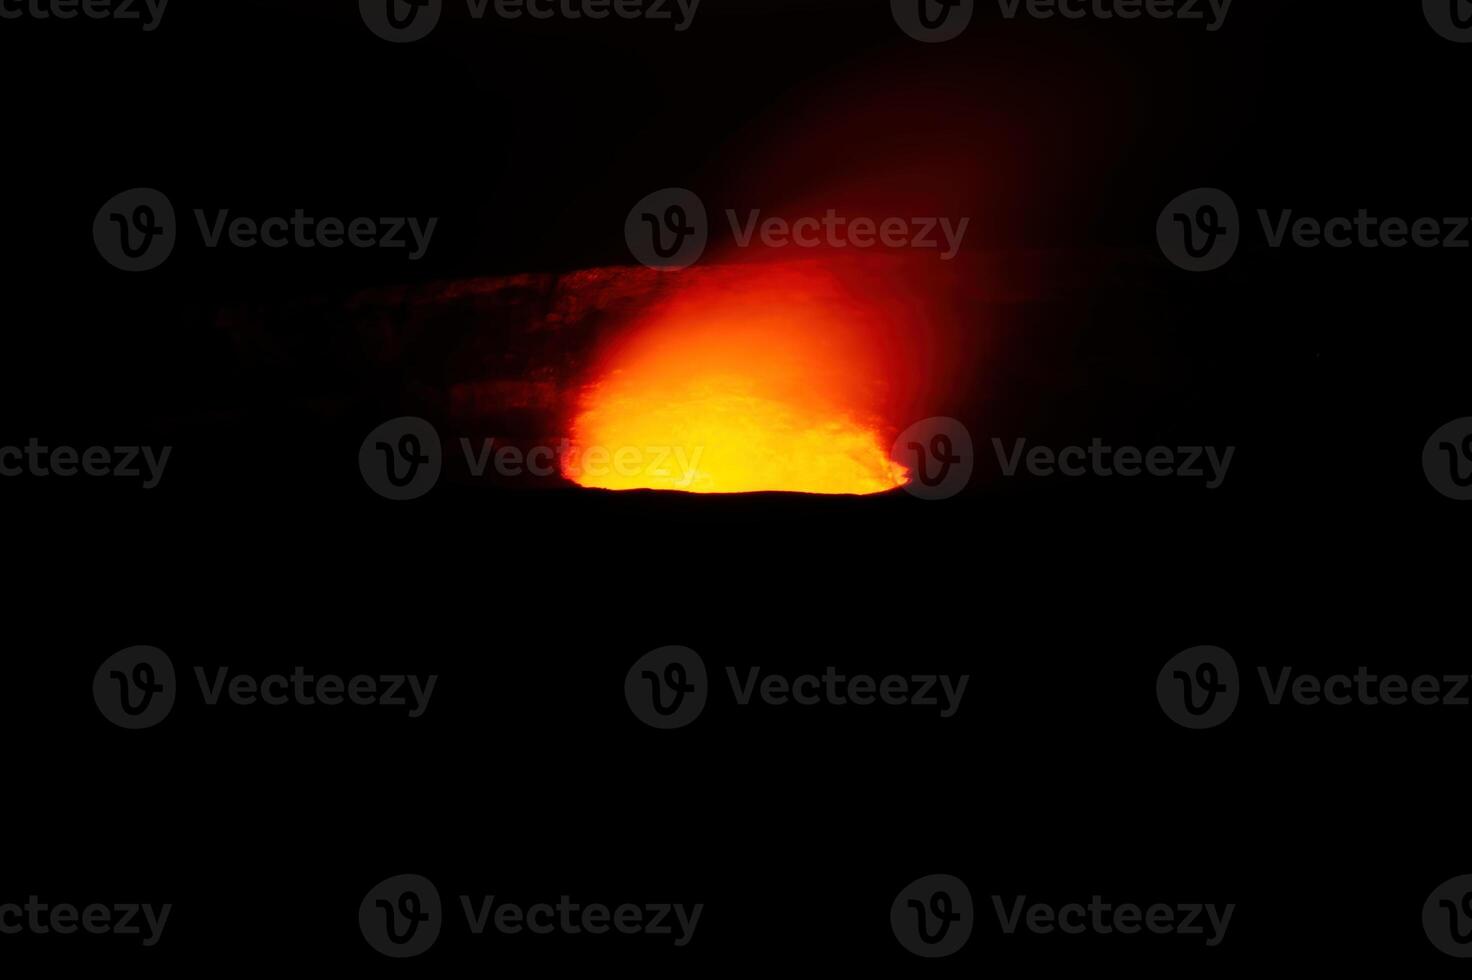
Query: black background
[528, 778]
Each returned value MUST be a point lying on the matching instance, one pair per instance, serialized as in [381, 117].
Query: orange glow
[748, 378]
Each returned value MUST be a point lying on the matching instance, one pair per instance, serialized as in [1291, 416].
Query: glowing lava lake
[767, 377]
